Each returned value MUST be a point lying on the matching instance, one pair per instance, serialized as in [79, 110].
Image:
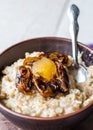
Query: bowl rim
[41, 38]
[45, 118]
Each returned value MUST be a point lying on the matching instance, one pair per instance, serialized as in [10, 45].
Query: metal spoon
[79, 70]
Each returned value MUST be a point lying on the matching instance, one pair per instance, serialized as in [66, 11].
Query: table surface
[25, 19]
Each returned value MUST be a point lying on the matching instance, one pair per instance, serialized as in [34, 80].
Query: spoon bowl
[79, 72]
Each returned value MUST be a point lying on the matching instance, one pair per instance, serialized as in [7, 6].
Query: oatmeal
[41, 85]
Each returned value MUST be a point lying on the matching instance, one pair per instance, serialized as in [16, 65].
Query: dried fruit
[56, 56]
[24, 79]
[60, 83]
[46, 72]
[29, 60]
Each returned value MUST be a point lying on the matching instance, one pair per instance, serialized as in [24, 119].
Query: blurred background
[25, 19]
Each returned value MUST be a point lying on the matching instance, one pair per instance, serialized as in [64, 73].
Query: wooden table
[6, 125]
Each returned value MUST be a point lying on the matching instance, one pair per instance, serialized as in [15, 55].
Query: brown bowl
[46, 44]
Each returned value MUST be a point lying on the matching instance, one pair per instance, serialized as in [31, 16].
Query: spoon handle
[74, 28]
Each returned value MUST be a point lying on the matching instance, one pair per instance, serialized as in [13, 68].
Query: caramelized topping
[24, 79]
[30, 60]
[47, 73]
[46, 89]
[56, 56]
[63, 79]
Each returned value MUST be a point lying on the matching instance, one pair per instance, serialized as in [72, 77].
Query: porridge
[42, 85]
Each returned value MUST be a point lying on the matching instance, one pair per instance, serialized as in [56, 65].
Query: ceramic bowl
[46, 44]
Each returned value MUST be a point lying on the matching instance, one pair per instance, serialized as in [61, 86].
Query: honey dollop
[45, 68]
